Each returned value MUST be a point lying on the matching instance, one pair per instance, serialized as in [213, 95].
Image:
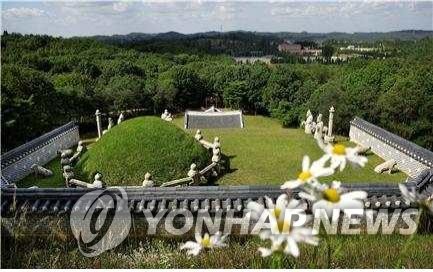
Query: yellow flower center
[276, 212]
[331, 195]
[205, 242]
[283, 226]
[339, 149]
[305, 175]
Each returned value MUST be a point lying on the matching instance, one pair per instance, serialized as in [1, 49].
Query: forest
[47, 81]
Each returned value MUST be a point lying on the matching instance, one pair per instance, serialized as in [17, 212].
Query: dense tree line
[47, 81]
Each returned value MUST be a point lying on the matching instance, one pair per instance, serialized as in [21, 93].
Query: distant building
[291, 48]
[264, 59]
[297, 49]
[360, 49]
[311, 52]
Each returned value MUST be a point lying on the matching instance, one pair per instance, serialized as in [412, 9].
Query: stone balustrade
[16, 164]
[410, 158]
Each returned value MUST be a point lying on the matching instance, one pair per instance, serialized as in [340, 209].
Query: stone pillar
[98, 123]
[329, 137]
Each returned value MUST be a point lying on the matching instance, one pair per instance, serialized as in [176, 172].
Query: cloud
[23, 12]
[120, 6]
[332, 9]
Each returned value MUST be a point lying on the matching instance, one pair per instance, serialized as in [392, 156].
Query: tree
[181, 88]
[29, 105]
[236, 95]
[328, 52]
[125, 92]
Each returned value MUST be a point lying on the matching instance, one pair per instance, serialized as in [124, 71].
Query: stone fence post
[329, 138]
[98, 123]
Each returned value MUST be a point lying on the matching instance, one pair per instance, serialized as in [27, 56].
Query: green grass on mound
[140, 145]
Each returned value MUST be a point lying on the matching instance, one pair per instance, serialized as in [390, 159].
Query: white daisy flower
[423, 201]
[309, 172]
[283, 235]
[205, 242]
[329, 198]
[340, 154]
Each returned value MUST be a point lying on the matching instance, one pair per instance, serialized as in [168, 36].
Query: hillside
[140, 145]
[245, 42]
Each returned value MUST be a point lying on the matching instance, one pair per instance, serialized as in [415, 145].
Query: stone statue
[306, 117]
[388, 166]
[309, 124]
[110, 123]
[97, 182]
[362, 150]
[216, 155]
[166, 116]
[216, 142]
[81, 147]
[198, 136]
[148, 182]
[325, 130]
[319, 118]
[64, 161]
[318, 131]
[80, 150]
[121, 118]
[192, 170]
[41, 171]
[68, 173]
[65, 153]
[194, 174]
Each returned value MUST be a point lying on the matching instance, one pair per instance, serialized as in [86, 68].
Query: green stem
[407, 243]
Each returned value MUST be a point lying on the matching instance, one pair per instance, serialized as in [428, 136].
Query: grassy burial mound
[144, 144]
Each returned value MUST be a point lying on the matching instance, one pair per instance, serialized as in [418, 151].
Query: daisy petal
[292, 248]
[198, 237]
[265, 252]
[305, 163]
[354, 195]
[292, 184]
[188, 245]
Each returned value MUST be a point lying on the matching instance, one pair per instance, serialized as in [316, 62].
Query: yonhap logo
[100, 220]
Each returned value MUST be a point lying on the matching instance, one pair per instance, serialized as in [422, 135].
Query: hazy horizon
[83, 18]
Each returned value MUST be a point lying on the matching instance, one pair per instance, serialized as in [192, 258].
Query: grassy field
[262, 153]
[129, 150]
[361, 251]
[266, 153]
[56, 180]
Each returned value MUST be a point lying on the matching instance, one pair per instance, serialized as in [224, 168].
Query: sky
[84, 18]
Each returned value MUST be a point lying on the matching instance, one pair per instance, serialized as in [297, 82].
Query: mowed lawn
[266, 153]
[261, 153]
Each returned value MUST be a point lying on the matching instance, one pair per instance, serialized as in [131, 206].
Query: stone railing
[16, 164]
[60, 201]
[194, 175]
[121, 116]
[410, 158]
